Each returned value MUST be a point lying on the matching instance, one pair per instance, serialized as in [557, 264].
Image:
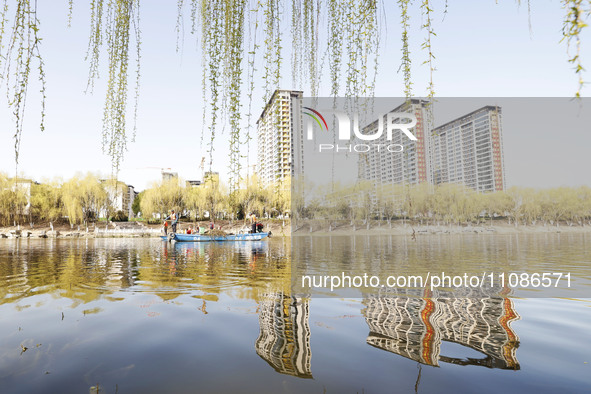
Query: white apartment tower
[280, 139]
[469, 151]
[412, 165]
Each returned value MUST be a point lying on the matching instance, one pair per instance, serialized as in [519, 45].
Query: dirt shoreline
[128, 229]
[281, 229]
[422, 230]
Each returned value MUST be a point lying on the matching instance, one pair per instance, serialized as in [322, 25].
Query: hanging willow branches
[115, 23]
[21, 57]
[222, 23]
[405, 60]
[253, 24]
[361, 43]
[346, 33]
[310, 38]
[336, 34]
[233, 83]
[427, 11]
[272, 47]
[212, 47]
[577, 12]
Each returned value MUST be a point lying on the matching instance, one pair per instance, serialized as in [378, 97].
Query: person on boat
[174, 217]
[253, 223]
[189, 231]
[259, 227]
[165, 227]
[211, 226]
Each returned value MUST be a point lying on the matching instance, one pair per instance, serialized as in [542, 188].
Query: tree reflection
[85, 270]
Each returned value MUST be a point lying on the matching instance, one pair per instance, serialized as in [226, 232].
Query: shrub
[119, 216]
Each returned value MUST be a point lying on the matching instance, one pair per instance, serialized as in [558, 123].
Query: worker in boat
[259, 227]
[174, 218]
[189, 230]
[253, 221]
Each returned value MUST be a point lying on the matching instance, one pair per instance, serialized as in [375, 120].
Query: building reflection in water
[284, 337]
[415, 327]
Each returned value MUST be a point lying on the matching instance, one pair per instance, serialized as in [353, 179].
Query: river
[143, 315]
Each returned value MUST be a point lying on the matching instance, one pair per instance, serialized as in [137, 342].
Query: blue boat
[215, 238]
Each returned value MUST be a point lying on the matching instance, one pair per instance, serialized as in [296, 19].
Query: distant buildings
[169, 175]
[280, 138]
[193, 183]
[211, 177]
[412, 165]
[469, 151]
[121, 197]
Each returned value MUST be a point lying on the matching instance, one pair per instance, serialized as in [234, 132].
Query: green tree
[162, 197]
[215, 197]
[46, 202]
[13, 200]
[195, 201]
[84, 198]
[136, 205]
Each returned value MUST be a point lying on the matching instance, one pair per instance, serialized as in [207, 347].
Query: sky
[482, 49]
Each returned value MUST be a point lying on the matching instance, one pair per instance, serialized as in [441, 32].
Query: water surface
[141, 315]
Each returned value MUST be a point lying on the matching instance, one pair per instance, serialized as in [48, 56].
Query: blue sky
[482, 49]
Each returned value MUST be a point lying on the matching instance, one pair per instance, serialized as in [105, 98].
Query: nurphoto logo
[394, 121]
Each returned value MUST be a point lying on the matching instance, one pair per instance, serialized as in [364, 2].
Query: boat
[216, 238]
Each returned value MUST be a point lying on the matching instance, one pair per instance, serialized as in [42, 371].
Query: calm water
[138, 315]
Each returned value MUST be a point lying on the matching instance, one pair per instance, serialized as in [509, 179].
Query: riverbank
[414, 229]
[282, 228]
[129, 229]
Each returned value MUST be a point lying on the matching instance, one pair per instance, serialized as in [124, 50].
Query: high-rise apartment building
[412, 165]
[469, 151]
[280, 140]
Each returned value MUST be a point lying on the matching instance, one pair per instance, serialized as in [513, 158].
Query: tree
[84, 199]
[13, 200]
[253, 198]
[497, 204]
[162, 197]
[136, 205]
[195, 201]
[214, 194]
[280, 200]
[419, 201]
[46, 202]
[389, 201]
